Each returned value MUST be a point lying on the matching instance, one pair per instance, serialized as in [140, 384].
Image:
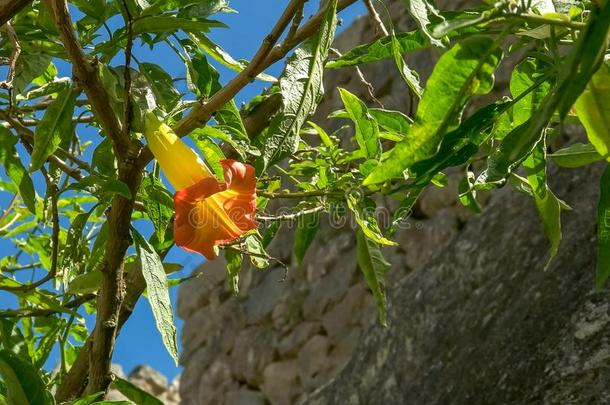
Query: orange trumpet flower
[208, 212]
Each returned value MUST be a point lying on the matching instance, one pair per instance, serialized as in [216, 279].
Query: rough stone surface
[484, 324]
[473, 318]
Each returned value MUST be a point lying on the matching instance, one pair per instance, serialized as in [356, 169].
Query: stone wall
[286, 335]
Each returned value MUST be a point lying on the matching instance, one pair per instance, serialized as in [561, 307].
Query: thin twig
[10, 77]
[367, 85]
[289, 217]
[379, 26]
[301, 194]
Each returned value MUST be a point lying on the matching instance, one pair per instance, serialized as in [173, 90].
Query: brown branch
[8, 9]
[265, 57]
[112, 288]
[10, 77]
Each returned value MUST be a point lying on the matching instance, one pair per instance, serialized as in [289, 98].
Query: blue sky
[139, 342]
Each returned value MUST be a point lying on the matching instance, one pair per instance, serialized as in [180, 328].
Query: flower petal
[210, 213]
[182, 166]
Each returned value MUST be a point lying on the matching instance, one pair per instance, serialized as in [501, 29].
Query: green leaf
[603, 231]
[465, 70]
[15, 170]
[213, 155]
[468, 196]
[161, 84]
[307, 228]
[158, 294]
[159, 205]
[301, 88]
[366, 128]
[164, 24]
[114, 186]
[395, 122]
[254, 246]
[234, 261]
[525, 75]
[364, 212]
[380, 49]
[593, 110]
[72, 252]
[89, 399]
[547, 203]
[12, 339]
[223, 57]
[409, 76]
[374, 267]
[420, 10]
[24, 384]
[461, 144]
[50, 88]
[202, 78]
[134, 393]
[103, 158]
[55, 126]
[585, 59]
[576, 155]
[86, 283]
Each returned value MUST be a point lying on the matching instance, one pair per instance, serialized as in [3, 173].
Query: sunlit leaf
[158, 294]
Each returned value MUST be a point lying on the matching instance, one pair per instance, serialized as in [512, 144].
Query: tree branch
[112, 289]
[265, 57]
[8, 9]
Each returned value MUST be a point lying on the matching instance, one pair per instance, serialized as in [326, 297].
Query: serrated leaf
[603, 231]
[301, 88]
[307, 228]
[134, 393]
[24, 384]
[158, 294]
[55, 126]
[465, 70]
[374, 267]
[15, 170]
